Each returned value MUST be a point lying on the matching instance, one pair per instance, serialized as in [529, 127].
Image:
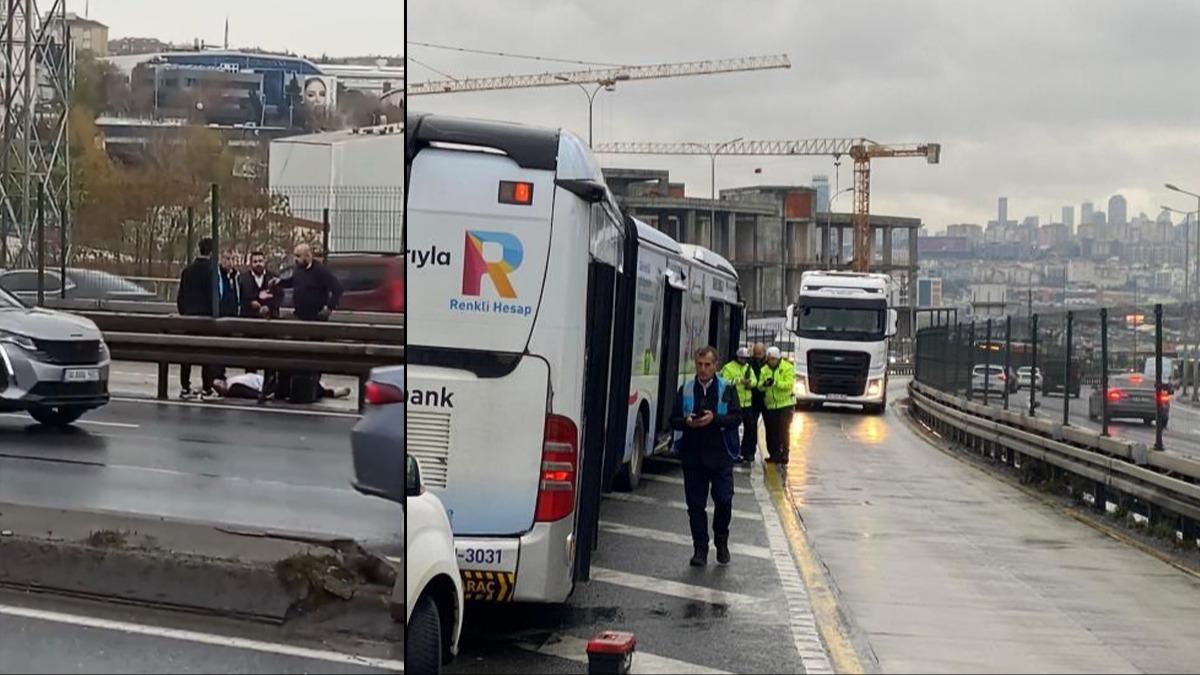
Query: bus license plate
[484, 555]
[81, 375]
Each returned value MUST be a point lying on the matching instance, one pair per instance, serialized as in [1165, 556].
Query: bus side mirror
[412, 478]
[893, 317]
[790, 322]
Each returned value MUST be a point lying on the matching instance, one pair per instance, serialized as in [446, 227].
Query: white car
[994, 382]
[434, 589]
[1027, 376]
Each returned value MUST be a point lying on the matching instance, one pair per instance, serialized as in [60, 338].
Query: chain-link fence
[357, 231]
[1119, 370]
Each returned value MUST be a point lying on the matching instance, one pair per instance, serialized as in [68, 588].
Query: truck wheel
[56, 417]
[423, 639]
[630, 474]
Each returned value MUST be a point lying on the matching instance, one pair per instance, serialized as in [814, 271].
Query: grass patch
[108, 539]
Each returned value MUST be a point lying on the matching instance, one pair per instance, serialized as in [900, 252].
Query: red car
[372, 282]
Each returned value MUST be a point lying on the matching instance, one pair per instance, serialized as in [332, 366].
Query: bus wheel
[630, 475]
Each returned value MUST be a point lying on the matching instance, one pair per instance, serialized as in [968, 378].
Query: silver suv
[52, 364]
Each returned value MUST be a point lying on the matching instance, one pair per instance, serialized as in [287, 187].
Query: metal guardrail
[1111, 470]
[276, 344]
[168, 308]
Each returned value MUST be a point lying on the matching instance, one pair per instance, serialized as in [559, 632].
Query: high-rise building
[1117, 216]
[1068, 217]
[1003, 211]
[1087, 214]
[821, 184]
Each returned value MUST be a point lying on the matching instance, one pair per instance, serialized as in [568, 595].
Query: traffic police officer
[741, 374]
[776, 380]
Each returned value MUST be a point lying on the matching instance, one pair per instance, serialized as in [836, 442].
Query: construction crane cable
[510, 55]
[429, 67]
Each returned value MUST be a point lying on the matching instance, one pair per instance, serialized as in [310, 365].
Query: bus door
[668, 371]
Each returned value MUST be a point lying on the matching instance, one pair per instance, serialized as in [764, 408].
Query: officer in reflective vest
[741, 374]
[706, 415]
[776, 380]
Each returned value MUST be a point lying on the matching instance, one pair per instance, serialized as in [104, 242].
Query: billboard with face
[319, 91]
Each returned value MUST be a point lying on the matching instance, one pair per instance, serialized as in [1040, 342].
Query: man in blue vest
[706, 411]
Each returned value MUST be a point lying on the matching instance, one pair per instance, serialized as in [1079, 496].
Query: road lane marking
[747, 550]
[810, 601]
[674, 480]
[119, 425]
[644, 663]
[226, 406]
[642, 499]
[677, 589]
[202, 638]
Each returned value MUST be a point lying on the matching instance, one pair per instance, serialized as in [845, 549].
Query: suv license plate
[81, 375]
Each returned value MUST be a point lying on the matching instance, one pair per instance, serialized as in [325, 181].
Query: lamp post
[712, 152]
[1188, 297]
[829, 225]
[609, 84]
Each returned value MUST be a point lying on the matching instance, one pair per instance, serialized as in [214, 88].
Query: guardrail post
[216, 251]
[987, 371]
[956, 355]
[1158, 380]
[1104, 371]
[971, 359]
[1033, 357]
[1007, 356]
[41, 250]
[325, 233]
[1067, 373]
[164, 374]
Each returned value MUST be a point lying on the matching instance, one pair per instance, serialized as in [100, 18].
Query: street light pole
[712, 152]
[1188, 296]
[829, 226]
[609, 84]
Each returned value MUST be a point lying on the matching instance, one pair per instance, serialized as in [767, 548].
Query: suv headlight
[19, 340]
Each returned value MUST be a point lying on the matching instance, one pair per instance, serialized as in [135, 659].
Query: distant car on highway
[1130, 396]
[82, 284]
[373, 282]
[54, 364]
[1029, 378]
[993, 382]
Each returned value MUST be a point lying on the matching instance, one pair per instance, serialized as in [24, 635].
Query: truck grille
[838, 372]
[70, 352]
[427, 439]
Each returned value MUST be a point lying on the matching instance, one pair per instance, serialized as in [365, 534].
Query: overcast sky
[1047, 103]
[313, 27]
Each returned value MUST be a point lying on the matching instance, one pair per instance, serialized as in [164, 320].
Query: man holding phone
[705, 410]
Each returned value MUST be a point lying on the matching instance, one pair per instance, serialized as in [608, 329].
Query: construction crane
[862, 150]
[606, 76]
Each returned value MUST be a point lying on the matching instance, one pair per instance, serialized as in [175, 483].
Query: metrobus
[547, 333]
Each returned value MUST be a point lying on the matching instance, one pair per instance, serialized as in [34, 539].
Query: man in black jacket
[703, 415]
[758, 405]
[194, 298]
[315, 294]
[258, 297]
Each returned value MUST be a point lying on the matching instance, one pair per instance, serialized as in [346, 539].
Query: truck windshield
[840, 323]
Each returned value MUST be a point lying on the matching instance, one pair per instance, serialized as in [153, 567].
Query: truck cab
[840, 326]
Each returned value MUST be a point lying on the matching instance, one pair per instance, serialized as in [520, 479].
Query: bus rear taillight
[560, 454]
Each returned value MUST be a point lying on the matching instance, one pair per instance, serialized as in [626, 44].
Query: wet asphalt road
[44, 634]
[944, 568]
[643, 545]
[1182, 435]
[199, 462]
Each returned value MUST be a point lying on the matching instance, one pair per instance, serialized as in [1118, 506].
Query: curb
[264, 577]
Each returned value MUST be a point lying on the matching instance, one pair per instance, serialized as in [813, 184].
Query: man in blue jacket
[706, 410]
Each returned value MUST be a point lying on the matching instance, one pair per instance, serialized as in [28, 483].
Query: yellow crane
[861, 150]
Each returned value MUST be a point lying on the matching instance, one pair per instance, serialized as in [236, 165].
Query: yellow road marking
[825, 610]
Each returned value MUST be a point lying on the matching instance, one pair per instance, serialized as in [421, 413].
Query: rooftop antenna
[226, 31]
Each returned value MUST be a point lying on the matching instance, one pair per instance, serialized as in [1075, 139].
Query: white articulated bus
[539, 316]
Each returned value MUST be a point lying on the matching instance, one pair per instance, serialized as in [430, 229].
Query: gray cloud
[1047, 103]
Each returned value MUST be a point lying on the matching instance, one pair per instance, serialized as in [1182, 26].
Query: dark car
[1131, 396]
[81, 285]
[372, 282]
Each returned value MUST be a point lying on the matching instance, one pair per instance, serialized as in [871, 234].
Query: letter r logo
[475, 265]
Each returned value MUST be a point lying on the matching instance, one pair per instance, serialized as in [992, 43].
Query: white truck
[840, 327]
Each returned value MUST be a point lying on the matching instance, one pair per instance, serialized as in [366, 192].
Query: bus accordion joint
[556, 486]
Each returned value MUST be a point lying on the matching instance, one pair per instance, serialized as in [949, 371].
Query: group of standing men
[708, 411]
[256, 293]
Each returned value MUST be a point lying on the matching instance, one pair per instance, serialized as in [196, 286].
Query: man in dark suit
[194, 298]
[257, 294]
